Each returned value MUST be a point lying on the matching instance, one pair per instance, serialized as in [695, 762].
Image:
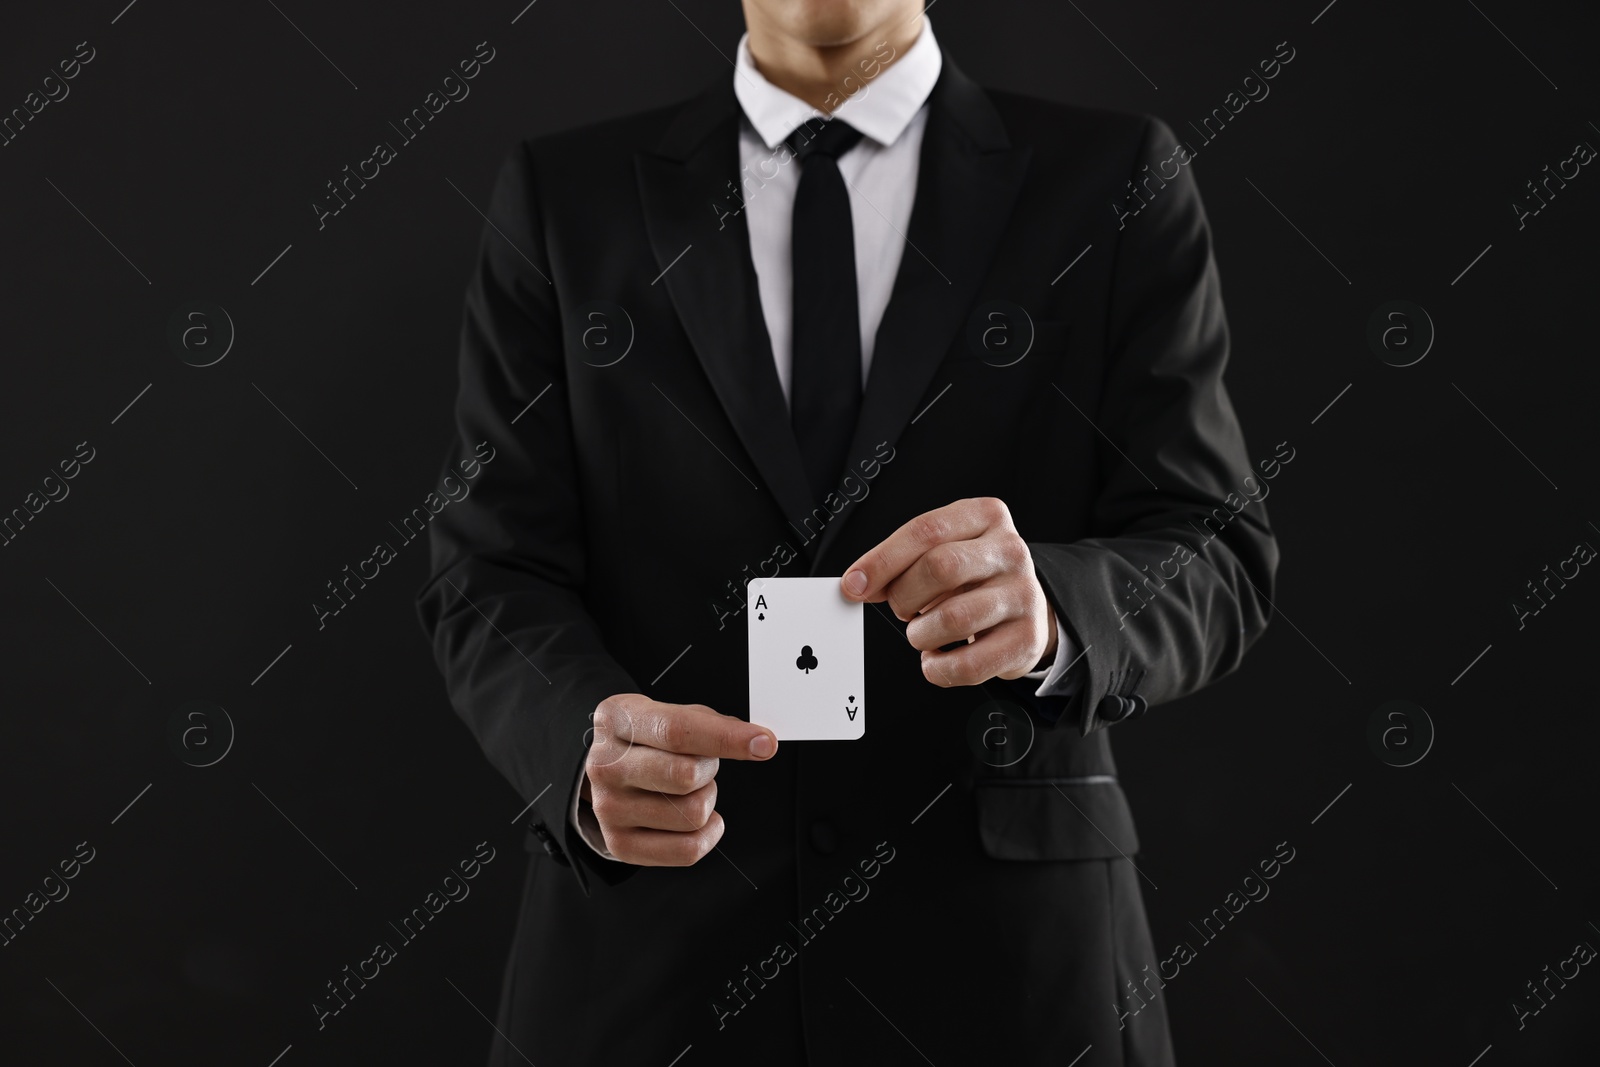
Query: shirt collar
[880, 108]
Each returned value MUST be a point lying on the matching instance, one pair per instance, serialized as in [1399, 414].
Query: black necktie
[825, 375]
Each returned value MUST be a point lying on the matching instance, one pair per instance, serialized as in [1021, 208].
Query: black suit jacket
[605, 546]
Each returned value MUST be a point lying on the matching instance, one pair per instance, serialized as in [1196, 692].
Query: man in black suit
[844, 313]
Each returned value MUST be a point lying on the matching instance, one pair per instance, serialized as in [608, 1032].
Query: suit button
[1140, 706]
[823, 839]
[1113, 708]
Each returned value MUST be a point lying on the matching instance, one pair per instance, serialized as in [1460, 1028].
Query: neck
[825, 76]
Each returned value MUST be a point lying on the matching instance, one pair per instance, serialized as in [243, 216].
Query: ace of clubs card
[807, 659]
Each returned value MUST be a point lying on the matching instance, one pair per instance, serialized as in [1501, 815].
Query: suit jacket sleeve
[1176, 583]
[523, 659]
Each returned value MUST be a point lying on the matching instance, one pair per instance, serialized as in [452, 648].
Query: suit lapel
[968, 179]
[713, 284]
[967, 183]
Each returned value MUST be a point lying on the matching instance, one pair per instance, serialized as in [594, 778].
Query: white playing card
[807, 659]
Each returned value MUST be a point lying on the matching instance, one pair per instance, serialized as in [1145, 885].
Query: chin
[828, 23]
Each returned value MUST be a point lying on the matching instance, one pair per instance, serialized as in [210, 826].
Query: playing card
[807, 659]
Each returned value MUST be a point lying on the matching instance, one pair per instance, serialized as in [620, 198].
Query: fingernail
[761, 746]
[855, 583]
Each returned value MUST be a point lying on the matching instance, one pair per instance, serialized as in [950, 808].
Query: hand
[961, 573]
[651, 775]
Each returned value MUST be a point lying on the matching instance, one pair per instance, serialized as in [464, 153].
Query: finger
[962, 616]
[629, 809]
[665, 848]
[866, 578]
[665, 772]
[690, 729]
[943, 570]
[998, 653]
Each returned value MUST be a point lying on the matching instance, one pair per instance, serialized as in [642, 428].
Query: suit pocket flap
[1055, 819]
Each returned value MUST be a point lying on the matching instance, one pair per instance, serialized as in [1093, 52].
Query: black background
[197, 538]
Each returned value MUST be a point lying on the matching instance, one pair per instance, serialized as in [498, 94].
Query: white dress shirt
[890, 109]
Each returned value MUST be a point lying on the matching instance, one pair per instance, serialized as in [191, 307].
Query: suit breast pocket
[1054, 819]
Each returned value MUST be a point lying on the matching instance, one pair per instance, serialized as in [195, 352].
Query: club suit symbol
[806, 661]
[850, 709]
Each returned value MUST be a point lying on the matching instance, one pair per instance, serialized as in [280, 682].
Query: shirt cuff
[1055, 680]
[582, 818]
